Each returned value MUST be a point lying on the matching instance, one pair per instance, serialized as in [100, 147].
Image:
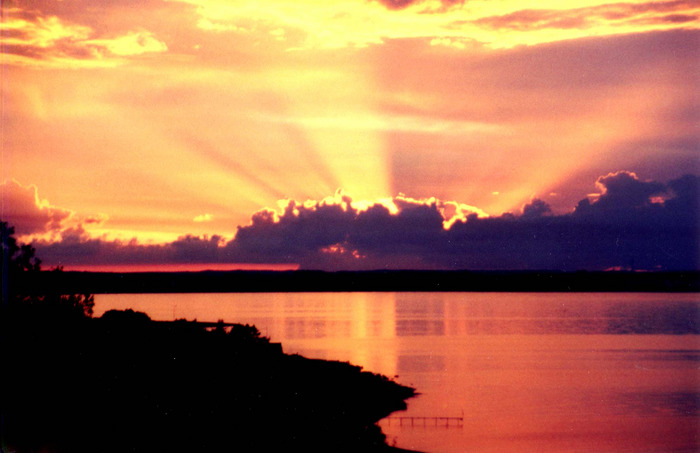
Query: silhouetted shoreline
[318, 281]
[125, 383]
[122, 382]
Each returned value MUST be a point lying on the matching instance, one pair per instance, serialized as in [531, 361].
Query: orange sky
[155, 119]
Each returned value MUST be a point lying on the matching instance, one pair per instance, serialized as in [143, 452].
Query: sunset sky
[353, 133]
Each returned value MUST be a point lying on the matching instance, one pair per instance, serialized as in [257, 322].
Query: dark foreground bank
[125, 383]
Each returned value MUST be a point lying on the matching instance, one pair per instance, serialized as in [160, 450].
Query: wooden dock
[446, 422]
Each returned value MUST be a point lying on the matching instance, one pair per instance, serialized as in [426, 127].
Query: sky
[352, 134]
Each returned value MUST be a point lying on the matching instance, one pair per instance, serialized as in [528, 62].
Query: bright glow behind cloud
[503, 24]
[216, 107]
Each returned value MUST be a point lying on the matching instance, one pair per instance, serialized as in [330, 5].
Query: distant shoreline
[363, 281]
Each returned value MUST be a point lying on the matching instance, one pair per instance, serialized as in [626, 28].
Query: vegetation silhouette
[23, 296]
[122, 382]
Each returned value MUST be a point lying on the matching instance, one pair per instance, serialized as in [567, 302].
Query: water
[527, 371]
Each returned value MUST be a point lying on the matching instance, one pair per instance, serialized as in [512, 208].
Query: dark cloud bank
[632, 223]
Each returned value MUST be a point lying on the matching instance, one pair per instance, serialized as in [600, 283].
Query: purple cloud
[654, 12]
[631, 223]
[23, 209]
[623, 191]
[536, 208]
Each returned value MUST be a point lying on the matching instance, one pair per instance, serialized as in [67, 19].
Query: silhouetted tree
[20, 269]
[15, 257]
[246, 333]
[15, 260]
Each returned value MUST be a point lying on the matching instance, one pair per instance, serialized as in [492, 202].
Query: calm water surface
[528, 372]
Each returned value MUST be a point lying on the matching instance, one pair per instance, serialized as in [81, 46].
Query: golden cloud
[50, 41]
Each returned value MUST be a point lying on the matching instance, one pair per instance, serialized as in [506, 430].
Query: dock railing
[446, 422]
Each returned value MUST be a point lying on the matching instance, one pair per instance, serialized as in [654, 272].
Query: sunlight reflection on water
[530, 372]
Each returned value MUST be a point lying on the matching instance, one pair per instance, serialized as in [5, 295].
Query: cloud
[42, 32]
[32, 38]
[686, 194]
[403, 4]
[98, 219]
[77, 248]
[613, 14]
[23, 209]
[36, 219]
[621, 228]
[536, 208]
[631, 223]
[133, 43]
[338, 232]
[92, 34]
[623, 191]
